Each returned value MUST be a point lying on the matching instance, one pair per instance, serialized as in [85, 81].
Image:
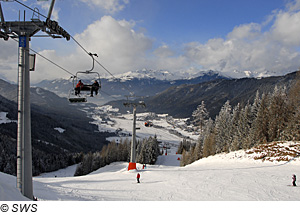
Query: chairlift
[80, 94]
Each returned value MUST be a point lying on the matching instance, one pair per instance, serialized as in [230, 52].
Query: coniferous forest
[273, 116]
[147, 151]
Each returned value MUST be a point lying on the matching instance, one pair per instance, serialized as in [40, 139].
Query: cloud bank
[251, 47]
[270, 47]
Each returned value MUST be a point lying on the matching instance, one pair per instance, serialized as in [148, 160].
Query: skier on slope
[138, 177]
[294, 180]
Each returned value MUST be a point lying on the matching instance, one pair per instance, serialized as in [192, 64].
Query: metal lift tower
[132, 163]
[24, 30]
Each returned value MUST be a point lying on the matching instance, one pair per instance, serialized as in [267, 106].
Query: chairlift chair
[85, 90]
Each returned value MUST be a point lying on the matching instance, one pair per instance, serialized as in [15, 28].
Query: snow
[67, 172]
[234, 176]
[4, 119]
[8, 191]
[60, 130]
[166, 129]
[224, 177]
[162, 74]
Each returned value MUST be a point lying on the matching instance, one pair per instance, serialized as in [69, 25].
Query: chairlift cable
[42, 56]
[88, 53]
[52, 62]
[100, 63]
[65, 70]
[30, 8]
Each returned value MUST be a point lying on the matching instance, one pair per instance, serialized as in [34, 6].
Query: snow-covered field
[167, 129]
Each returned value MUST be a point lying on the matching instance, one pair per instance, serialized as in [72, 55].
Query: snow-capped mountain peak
[143, 74]
[163, 75]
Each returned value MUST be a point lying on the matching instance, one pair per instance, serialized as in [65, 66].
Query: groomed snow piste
[225, 177]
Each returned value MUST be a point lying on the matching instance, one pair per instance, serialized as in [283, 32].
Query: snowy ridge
[162, 75]
[183, 75]
[142, 74]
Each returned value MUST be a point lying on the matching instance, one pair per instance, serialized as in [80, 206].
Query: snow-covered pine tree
[222, 132]
[278, 113]
[260, 124]
[200, 116]
[254, 112]
[236, 142]
[149, 151]
[244, 127]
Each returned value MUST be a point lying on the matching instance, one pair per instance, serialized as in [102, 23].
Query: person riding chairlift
[78, 87]
[95, 87]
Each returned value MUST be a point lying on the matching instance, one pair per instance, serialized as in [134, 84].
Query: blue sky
[181, 36]
[196, 20]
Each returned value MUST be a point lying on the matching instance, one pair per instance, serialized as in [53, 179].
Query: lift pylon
[132, 163]
[24, 30]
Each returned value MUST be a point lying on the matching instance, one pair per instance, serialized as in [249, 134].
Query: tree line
[50, 159]
[147, 151]
[271, 117]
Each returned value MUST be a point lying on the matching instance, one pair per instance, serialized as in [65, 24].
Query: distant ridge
[141, 83]
[181, 100]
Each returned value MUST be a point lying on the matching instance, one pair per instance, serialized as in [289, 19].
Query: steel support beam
[24, 148]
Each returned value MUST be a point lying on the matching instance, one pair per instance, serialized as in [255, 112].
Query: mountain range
[142, 83]
[181, 100]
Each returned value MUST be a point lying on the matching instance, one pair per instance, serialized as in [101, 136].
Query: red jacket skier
[78, 87]
[138, 177]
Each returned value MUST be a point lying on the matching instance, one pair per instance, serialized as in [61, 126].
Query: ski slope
[220, 178]
[226, 177]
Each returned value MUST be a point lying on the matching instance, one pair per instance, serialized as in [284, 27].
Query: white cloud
[46, 5]
[249, 48]
[164, 51]
[111, 6]
[246, 31]
[286, 28]
[8, 59]
[119, 47]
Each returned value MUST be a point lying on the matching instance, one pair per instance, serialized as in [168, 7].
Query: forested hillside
[272, 116]
[60, 132]
[181, 101]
